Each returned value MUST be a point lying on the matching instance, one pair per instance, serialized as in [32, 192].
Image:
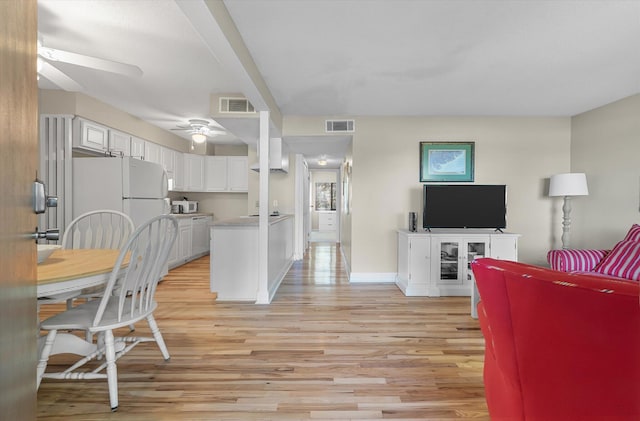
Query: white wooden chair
[147, 251]
[99, 229]
[104, 228]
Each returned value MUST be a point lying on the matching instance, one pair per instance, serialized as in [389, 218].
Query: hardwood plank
[324, 349]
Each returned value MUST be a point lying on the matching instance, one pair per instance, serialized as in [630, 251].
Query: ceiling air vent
[340, 126]
[236, 105]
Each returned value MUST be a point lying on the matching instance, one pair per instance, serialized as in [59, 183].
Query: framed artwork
[446, 161]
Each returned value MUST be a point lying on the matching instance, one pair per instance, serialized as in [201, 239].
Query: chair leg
[112, 371]
[158, 337]
[44, 356]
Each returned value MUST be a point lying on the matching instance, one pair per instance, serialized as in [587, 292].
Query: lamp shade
[568, 184]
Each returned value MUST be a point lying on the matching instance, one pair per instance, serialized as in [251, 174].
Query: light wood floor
[324, 349]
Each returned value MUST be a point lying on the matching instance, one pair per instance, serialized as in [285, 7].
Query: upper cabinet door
[178, 172]
[90, 135]
[215, 173]
[119, 143]
[194, 172]
[238, 173]
[167, 156]
[152, 152]
[137, 148]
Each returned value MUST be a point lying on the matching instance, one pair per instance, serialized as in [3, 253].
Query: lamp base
[566, 222]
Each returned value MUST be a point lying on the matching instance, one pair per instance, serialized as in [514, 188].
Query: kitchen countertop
[247, 221]
[190, 215]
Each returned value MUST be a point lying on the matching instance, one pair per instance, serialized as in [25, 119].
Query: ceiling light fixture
[322, 162]
[198, 137]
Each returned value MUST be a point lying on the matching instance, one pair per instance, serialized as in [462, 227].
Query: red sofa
[558, 346]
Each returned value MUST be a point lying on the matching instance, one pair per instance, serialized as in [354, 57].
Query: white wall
[605, 144]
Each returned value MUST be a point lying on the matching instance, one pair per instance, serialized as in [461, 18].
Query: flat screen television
[464, 206]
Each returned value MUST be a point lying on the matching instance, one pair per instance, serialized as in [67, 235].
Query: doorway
[324, 209]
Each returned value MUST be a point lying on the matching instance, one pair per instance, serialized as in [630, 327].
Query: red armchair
[558, 346]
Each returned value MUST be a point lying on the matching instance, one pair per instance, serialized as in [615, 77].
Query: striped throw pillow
[633, 234]
[575, 260]
[623, 261]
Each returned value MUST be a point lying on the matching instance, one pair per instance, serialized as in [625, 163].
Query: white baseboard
[347, 266]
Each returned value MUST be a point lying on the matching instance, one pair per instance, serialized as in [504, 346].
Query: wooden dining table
[72, 270]
[68, 271]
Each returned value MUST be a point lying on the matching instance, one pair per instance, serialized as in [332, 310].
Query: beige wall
[281, 187]
[605, 144]
[519, 152]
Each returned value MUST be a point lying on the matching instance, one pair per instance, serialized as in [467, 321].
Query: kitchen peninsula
[235, 257]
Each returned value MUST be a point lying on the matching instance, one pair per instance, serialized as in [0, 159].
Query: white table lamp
[568, 185]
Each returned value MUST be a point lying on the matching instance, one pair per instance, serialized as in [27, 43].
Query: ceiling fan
[200, 130]
[47, 55]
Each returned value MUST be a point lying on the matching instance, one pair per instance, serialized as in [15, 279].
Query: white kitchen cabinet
[194, 172]
[167, 159]
[90, 136]
[137, 148]
[192, 240]
[119, 143]
[437, 263]
[326, 221]
[238, 174]
[226, 174]
[215, 172]
[178, 172]
[181, 252]
[200, 235]
[152, 152]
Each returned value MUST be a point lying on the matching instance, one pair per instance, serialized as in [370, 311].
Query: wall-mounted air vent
[236, 105]
[339, 126]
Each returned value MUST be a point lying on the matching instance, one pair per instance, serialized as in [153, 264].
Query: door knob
[52, 234]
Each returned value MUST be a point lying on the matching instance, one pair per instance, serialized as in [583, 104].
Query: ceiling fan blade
[88, 61]
[59, 78]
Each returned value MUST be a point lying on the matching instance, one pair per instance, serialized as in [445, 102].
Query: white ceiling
[359, 57]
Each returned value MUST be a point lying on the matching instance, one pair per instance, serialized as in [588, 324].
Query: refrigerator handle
[165, 184]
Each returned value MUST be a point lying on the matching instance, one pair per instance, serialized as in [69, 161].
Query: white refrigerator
[137, 188]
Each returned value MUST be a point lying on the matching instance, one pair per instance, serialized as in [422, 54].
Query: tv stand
[437, 263]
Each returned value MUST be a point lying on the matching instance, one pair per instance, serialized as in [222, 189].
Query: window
[325, 196]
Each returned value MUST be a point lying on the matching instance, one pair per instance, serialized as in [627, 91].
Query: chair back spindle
[100, 229]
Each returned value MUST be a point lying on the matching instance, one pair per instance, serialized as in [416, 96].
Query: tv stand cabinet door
[504, 247]
[413, 264]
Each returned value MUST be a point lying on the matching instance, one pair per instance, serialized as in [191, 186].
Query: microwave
[186, 206]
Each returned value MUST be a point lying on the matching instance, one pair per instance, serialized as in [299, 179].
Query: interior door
[18, 163]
